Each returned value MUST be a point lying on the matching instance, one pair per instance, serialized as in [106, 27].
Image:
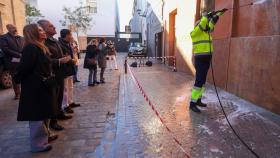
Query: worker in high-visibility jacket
[202, 49]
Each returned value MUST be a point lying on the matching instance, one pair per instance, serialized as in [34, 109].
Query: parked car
[136, 49]
[5, 76]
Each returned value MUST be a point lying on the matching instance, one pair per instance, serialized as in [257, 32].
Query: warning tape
[136, 81]
[165, 57]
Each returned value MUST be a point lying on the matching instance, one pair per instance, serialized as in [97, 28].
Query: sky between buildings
[52, 10]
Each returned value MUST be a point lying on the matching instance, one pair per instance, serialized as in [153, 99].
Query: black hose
[237, 135]
[222, 107]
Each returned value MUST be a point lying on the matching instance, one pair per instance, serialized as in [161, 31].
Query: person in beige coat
[112, 55]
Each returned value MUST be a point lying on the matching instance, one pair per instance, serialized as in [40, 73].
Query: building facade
[246, 42]
[12, 12]
[33, 3]
[105, 15]
[148, 19]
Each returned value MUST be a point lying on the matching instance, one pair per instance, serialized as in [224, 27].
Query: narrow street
[116, 121]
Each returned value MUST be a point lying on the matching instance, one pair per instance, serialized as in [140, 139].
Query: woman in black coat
[36, 103]
[91, 62]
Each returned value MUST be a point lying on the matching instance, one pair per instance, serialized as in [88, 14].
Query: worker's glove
[215, 19]
[210, 15]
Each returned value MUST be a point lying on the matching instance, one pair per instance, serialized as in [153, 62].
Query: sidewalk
[82, 134]
[141, 134]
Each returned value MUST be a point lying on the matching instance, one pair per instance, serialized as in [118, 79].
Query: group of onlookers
[97, 54]
[44, 70]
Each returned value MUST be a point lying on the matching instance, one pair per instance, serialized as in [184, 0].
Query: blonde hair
[31, 36]
[92, 41]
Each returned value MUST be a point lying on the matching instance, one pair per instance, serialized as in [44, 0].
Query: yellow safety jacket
[201, 37]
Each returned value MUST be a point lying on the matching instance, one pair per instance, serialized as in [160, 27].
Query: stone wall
[12, 12]
[246, 41]
[247, 57]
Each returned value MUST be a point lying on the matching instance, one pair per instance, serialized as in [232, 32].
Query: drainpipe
[163, 27]
[197, 15]
[13, 11]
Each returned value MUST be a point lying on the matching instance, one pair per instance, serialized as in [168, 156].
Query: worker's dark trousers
[202, 64]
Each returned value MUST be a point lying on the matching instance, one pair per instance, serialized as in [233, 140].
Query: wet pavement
[116, 121]
[141, 133]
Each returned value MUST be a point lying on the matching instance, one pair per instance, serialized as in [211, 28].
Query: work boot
[199, 103]
[194, 108]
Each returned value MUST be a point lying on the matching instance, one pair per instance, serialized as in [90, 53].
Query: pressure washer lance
[220, 12]
[245, 5]
[221, 105]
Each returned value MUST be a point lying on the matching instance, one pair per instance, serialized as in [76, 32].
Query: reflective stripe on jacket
[201, 37]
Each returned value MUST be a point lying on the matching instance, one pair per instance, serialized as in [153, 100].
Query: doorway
[158, 44]
[172, 32]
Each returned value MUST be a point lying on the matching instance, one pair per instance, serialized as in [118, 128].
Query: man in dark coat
[65, 42]
[58, 64]
[12, 45]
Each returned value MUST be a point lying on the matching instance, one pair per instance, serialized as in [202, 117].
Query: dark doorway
[149, 52]
[158, 44]
[172, 37]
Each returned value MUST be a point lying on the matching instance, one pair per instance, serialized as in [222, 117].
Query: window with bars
[207, 6]
[92, 6]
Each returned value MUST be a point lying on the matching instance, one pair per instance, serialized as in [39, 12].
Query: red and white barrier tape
[165, 57]
[136, 81]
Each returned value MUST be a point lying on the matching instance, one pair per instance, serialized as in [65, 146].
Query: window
[207, 6]
[93, 6]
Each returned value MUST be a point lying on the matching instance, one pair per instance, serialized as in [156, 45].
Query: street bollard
[125, 66]
[175, 64]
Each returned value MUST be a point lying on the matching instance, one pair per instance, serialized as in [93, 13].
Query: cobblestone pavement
[82, 134]
[141, 134]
